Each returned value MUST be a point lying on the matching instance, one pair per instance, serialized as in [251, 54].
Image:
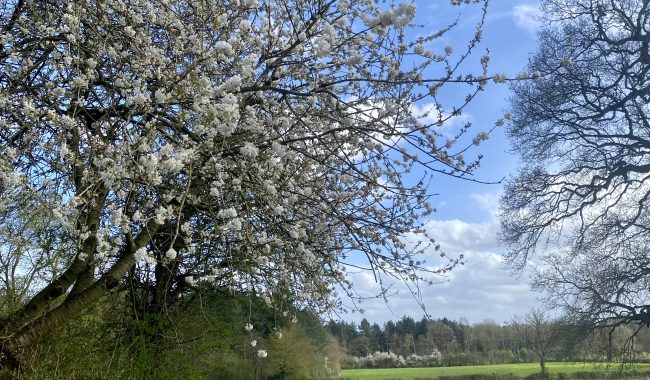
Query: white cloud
[458, 236]
[526, 16]
[479, 290]
[488, 202]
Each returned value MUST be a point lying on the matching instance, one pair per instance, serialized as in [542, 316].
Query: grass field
[519, 370]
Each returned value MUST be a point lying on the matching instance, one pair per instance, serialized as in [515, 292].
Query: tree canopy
[581, 199]
[259, 146]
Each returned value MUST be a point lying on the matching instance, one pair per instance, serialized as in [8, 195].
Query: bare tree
[581, 199]
[256, 146]
[536, 333]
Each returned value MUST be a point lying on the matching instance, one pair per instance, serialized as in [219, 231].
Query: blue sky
[465, 221]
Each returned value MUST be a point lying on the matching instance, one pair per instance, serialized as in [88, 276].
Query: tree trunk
[610, 349]
[165, 271]
[26, 335]
[80, 274]
[73, 305]
[39, 303]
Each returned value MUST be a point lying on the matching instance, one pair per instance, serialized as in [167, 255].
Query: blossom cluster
[391, 360]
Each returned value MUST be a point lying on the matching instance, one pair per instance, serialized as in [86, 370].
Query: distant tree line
[530, 338]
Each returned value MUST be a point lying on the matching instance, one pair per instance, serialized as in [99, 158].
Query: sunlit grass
[518, 370]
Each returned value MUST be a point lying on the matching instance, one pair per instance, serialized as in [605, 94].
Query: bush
[381, 360]
[432, 360]
[292, 355]
[349, 362]
[204, 340]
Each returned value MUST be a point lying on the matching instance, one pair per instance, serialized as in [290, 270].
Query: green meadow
[557, 370]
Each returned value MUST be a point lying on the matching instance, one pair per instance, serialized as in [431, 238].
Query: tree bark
[80, 274]
[28, 334]
[38, 304]
[87, 276]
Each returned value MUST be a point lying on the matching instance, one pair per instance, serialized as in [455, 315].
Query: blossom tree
[261, 146]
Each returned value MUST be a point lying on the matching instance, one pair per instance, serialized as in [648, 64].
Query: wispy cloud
[488, 202]
[527, 16]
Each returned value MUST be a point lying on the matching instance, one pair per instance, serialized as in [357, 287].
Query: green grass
[518, 370]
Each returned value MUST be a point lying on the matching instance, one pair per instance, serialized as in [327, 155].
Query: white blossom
[227, 213]
[249, 150]
[223, 47]
[322, 47]
[499, 78]
[171, 254]
[142, 255]
[482, 136]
